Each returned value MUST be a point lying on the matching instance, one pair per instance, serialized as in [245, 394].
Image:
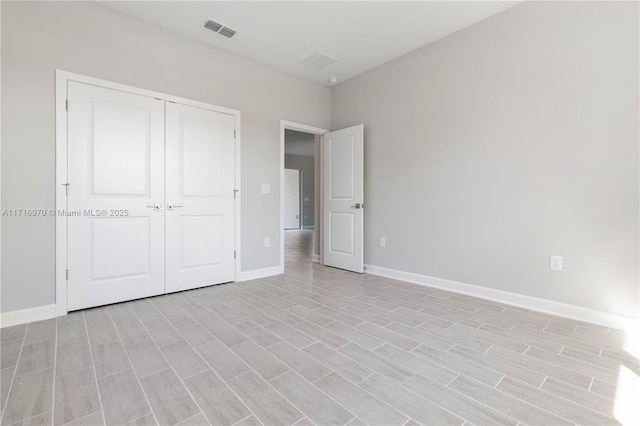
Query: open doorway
[300, 197]
[300, 150]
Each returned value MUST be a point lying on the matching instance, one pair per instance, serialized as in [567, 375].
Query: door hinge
[66, 188]
[234, 254]
[235, 192]
[67, 275]
[66, 104]
[234, 133]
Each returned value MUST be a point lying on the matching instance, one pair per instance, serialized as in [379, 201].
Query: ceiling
[359, 34]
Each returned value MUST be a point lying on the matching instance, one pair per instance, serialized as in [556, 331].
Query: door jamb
[290, 125]
[62, 79]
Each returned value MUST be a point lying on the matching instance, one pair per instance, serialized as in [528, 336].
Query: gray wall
[306, 164]
[89, 39]
[504, 143]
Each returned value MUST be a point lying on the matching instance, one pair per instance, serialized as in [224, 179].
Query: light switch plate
[266, 188]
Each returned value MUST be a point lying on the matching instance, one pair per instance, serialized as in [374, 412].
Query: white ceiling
[360, 34]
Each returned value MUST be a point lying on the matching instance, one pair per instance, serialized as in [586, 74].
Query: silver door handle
[358, 206]
[156, 207]
[173, 206]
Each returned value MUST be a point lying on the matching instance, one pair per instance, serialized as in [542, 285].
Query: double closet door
[150, 204]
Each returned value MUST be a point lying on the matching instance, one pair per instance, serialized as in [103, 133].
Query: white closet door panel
[115, 171]
[200, 182]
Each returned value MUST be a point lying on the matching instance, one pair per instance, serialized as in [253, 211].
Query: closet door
[116, 194]
[200, 182]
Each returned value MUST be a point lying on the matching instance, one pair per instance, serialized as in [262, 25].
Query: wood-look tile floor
[313, 346]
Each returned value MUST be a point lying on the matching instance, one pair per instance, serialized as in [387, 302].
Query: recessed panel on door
[119, 248]
[120, 151]
[198, 252]
[201, 151]
[116, 176]
[342, 168]
[200, 176]
[343, 201]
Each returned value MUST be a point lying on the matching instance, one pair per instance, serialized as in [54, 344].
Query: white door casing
[291, 199]
[200, 210]
[115, 164]
[343, 198]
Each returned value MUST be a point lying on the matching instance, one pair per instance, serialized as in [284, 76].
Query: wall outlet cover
[555, 263]
[266, 188]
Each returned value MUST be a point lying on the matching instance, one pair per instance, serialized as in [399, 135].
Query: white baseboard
[579, 313]
[260, 273]
[315, 258]
[309, 227]
[24, 316]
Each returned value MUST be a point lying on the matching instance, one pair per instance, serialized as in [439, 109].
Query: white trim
[62, 79]
[574, 312]
[260, 273]
[315, 258]
[24, 316]
[284, 124]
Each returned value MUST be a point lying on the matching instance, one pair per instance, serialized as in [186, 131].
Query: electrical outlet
[555, 263]
[266, 188]
[267, 241]
[383, 242]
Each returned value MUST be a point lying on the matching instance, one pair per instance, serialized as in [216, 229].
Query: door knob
[358, 206]
[156, 207]
[173, 206]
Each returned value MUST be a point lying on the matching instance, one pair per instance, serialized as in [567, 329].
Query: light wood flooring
[313, 346]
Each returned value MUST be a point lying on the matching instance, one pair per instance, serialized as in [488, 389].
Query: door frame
[290, 125]
[62, 78]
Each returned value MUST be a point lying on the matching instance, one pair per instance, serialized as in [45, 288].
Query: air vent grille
[212, 25]
[227, 32]
[219, 28]
[318, 60]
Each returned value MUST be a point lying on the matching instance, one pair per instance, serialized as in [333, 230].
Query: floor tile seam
[135, 373]
[251, 370]
[211, 369]
[13, 378]
[605, 367]
[362, 390]
[380, 358]
[421, 397]
[54, 381]
[93, 366]
[463, 395]
[426, 333]
[79, 418]
[455, 370]
[574, 370]
[195, 415]
[595, 395]
[390, 331]
[560, 399]
[508, 395]
[504, 361]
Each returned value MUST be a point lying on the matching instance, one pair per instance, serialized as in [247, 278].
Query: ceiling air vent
[212, 25]
[318, 60]
[219, 28]
[227, 32]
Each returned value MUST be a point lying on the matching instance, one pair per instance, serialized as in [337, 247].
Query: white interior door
[116, 176]
[343, 200]
[200, 183]
[291, 199]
